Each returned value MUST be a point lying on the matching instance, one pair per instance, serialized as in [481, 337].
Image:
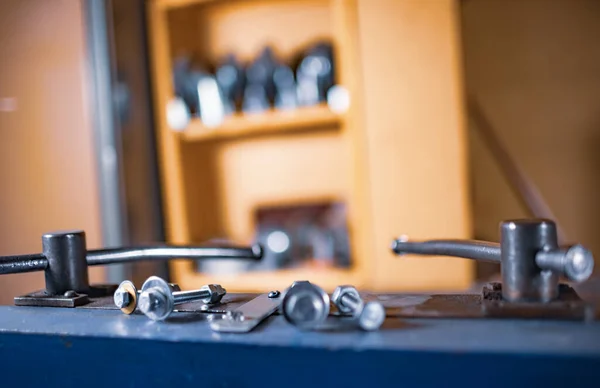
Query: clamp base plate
[42, 299]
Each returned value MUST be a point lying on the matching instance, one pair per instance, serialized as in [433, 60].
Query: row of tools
[304, 304]
[266, 82]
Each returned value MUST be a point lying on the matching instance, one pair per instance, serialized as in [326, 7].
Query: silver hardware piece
[369, 316]
[157, 301]
[247, 316]
[126, 296]
[305, 305]
[122, 298]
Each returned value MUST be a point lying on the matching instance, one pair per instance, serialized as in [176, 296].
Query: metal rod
[468, 249]
[39, 262]
[23, 263]
[186, 296]
[110, 256]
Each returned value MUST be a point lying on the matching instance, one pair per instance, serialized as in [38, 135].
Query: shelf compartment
[266, 123]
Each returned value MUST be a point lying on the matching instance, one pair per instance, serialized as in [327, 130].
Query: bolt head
[371, 316]
[155, 304]
[579, 263]
[305, 305]
[337, 295]
[121, 298]
[216, 293]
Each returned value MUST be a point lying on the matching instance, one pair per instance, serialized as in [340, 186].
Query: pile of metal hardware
[532, 264]
[304, 305]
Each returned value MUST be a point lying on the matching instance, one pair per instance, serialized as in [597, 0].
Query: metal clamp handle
[65, 258]
[529, 253]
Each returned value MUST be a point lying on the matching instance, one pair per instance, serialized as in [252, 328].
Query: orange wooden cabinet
[396, 158]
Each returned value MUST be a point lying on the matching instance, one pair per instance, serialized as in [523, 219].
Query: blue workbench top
[130, 349]
[451, 335]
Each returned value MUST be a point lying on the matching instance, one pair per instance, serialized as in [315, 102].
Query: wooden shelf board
[172, 4]
[270, 122]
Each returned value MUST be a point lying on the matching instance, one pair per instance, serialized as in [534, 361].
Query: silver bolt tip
[372, 316]
[216, 293]
[154, 304]
[121, 298]
[579, 263]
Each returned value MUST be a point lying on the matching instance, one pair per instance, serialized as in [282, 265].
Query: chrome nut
[337, 295]
[216, 293]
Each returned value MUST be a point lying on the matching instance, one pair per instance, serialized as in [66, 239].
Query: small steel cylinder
[522, 279]
[67, 264]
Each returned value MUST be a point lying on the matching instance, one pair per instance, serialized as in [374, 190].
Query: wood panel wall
[47, 172]
[534, 66]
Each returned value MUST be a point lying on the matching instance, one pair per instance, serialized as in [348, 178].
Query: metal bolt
[121, 298]
[71, 294]
[576, 262]
[157, 300]
[126, 297]
[305, 305]
[274, 294]
[369, 315]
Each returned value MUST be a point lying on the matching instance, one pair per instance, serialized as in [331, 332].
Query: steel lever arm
[39, 262]
[468, 249]
[65, 259]
[529, 254]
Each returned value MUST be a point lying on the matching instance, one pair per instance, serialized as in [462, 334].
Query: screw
[71, 294]
[126, 297]
[305, 305]
[157, 300]
[576, 262]
[274, 294]
[369, 315]
[121, 298]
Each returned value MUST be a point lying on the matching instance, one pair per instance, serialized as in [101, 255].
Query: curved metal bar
[23, 263]
[38, 262]
[125, 255]
[468, 249]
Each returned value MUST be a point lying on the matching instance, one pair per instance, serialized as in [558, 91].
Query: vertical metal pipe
[107, 141]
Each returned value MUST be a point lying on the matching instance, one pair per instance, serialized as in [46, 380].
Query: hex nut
[337, 296]
[216, 293]
[121, 298]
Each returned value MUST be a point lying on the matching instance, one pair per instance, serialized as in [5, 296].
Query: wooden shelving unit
[396, 158]
[272, 122]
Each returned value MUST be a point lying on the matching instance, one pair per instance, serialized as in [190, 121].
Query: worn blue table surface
[71, 347]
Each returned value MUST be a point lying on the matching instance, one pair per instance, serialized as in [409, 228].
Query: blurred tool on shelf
[315, 74]
[255, 87]
[295, 236]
